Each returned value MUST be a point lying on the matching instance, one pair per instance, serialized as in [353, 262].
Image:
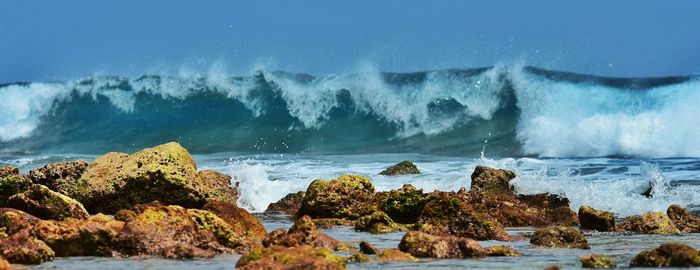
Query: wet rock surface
[559, 237]
[60, 177]
[289, 204]
[668, 255]
[649, 223]
[597, 261]
[296, 257]
[344, 197]
[592, 219]
[44, 203]
[403, 167]
[683, 219]
[11, 183]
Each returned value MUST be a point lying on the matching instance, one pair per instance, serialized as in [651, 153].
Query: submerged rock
[446, 213]
[44, 203]
[60, 177]
[449, 247]
[395, 255]
[649, 223]
[597, 261]
[492, 181]
[559, 237]
[290, 204]
[297, 257]
[592, 219]
[346, 197]
[165, 173]
[303, 232]
[367, 248]
[502, 251]
[403, 167]
[667, 255]
[683, 219]
[376, 223]
[11, 183]
[404, 205]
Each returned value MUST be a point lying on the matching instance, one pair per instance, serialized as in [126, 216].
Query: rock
[524, 210]
[225, 235]
[164, 173]
[44, 203]
[446, 213]
[11, 183]
[502, 251]
[553, 208]
[24, 248]
[167, 231]
[552, 267]
[246, 227]
[60, 177]
[367, 248]
[683, 219]
[290, 204]
[297, 257]
[357, 257]
[4, 265]
[559, 237]
[449, 247]
[345, 197]
[649, 223]
[492, 181]
[403, 167]
[592, 219]
[395, 255]
[303, 232]
[667, 255]
[376, 223]
[125, 215]
[73, 237]
[597, 261]
[404, 205]
[14, 221]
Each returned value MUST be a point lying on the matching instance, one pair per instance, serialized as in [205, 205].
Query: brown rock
[403, 167]
[492, 181]
[592, 219]
[291, 258]
[11, 183]
[667, 255]
[425, 245]
[345, 197]
[377, 223]
[73, 237]
[367, 248]
[502, 251]
[303, 232]
[5, 265]
[597, 261]
[559, 237]
[290, 204]
[60, 177]
[13, 220]
[404, 205]
[23, 248]
[395, 255]
[44, 203]
[683, 219]
[246, 226]
[649, 223]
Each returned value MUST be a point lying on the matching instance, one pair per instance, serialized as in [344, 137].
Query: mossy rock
[592, 219]
[597, 261]
[502, 251]
[492, 181]
[11, 183]
[290, 204]
[346, 197]
[165, 173]
[425, 245]
[403, 167]
[297, 257]
[404, 205]
[249, 231]
[446, 213]
[60, 176]
[44, 203]
[72, 237]
[683, 219]
[649, 223]
[668, 255]
[395, 255]
[23, 248]
[207, 221]
[377, 223]
[559, 237]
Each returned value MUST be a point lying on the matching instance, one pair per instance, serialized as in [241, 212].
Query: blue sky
[53, 40]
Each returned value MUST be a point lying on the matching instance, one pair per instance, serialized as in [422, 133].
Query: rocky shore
[156, 203]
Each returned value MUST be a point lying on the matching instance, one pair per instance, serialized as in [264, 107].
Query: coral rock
[11, 183]
[60, 177]
[649, 223]
[597, 261]
[44, 203]
[404, 205]
[492, 181]
[376, 223]
[559, 237]
[297, 257]
[592, 219]
[403, 167]
[395, 255]
[425, 245]
[667, 255]
[344, 197]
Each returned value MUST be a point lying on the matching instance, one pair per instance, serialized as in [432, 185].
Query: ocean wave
[519, 110]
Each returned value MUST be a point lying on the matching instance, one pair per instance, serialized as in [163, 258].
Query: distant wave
[518, 110]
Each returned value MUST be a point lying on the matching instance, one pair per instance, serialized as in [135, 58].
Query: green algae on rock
[377, 223]
[403, 167]
[395, 255]
[597, 261]
[404, 205]
[592, 219]
[492, 181]
[166, 173]
[289, 204]
[667, 255]
[11, 183]
[559, 237]
[247, 228]
[73, 237]
[502, 251]
[448, 247]
[23, 248]
[44, 203]
[296, 257]
[60, 176]
[303, 232]
[347, 197]
[649, 223]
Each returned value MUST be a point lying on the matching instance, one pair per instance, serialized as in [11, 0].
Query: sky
[69, 39]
